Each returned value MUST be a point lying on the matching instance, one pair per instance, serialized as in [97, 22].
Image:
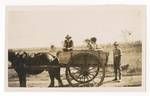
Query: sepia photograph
[75, 46]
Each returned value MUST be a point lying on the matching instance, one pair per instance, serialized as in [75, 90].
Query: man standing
[117, 59]
[68, 44]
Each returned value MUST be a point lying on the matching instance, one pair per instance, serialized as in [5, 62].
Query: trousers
[117, 67]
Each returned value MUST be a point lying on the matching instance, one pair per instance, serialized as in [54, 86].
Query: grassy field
[131, 55]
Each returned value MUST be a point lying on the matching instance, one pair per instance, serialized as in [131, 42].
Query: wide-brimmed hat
[116, 44]
[68, 37]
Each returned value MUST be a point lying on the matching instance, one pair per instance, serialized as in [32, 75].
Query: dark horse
[23, 64]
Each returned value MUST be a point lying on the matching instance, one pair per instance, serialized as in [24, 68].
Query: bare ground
[42, 80]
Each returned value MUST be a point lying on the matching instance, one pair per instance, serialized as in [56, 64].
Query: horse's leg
[57, 76]
[52, 78]
[59, 80]
[22, 78]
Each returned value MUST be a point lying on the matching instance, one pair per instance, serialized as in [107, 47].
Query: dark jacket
[68, 43]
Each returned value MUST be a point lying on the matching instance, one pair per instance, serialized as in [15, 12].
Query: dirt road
[42, 80]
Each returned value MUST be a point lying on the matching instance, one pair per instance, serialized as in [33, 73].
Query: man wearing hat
[117, 59]
[68, 44]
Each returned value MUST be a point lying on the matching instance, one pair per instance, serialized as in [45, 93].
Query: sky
[42, 26]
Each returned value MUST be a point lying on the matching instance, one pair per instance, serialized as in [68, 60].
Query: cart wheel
[82, 69]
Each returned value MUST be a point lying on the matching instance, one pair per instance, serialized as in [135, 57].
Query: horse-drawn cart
[82, 66]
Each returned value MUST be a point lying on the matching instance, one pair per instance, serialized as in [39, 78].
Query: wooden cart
[83, 66]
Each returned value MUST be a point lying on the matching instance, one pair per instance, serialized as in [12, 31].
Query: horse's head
[16, 57]
[11, 55]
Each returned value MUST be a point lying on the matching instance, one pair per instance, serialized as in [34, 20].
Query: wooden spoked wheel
[82, 69]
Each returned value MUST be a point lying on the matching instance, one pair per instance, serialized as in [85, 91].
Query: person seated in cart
[93, 43]
[88, 44]
[68, 44]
